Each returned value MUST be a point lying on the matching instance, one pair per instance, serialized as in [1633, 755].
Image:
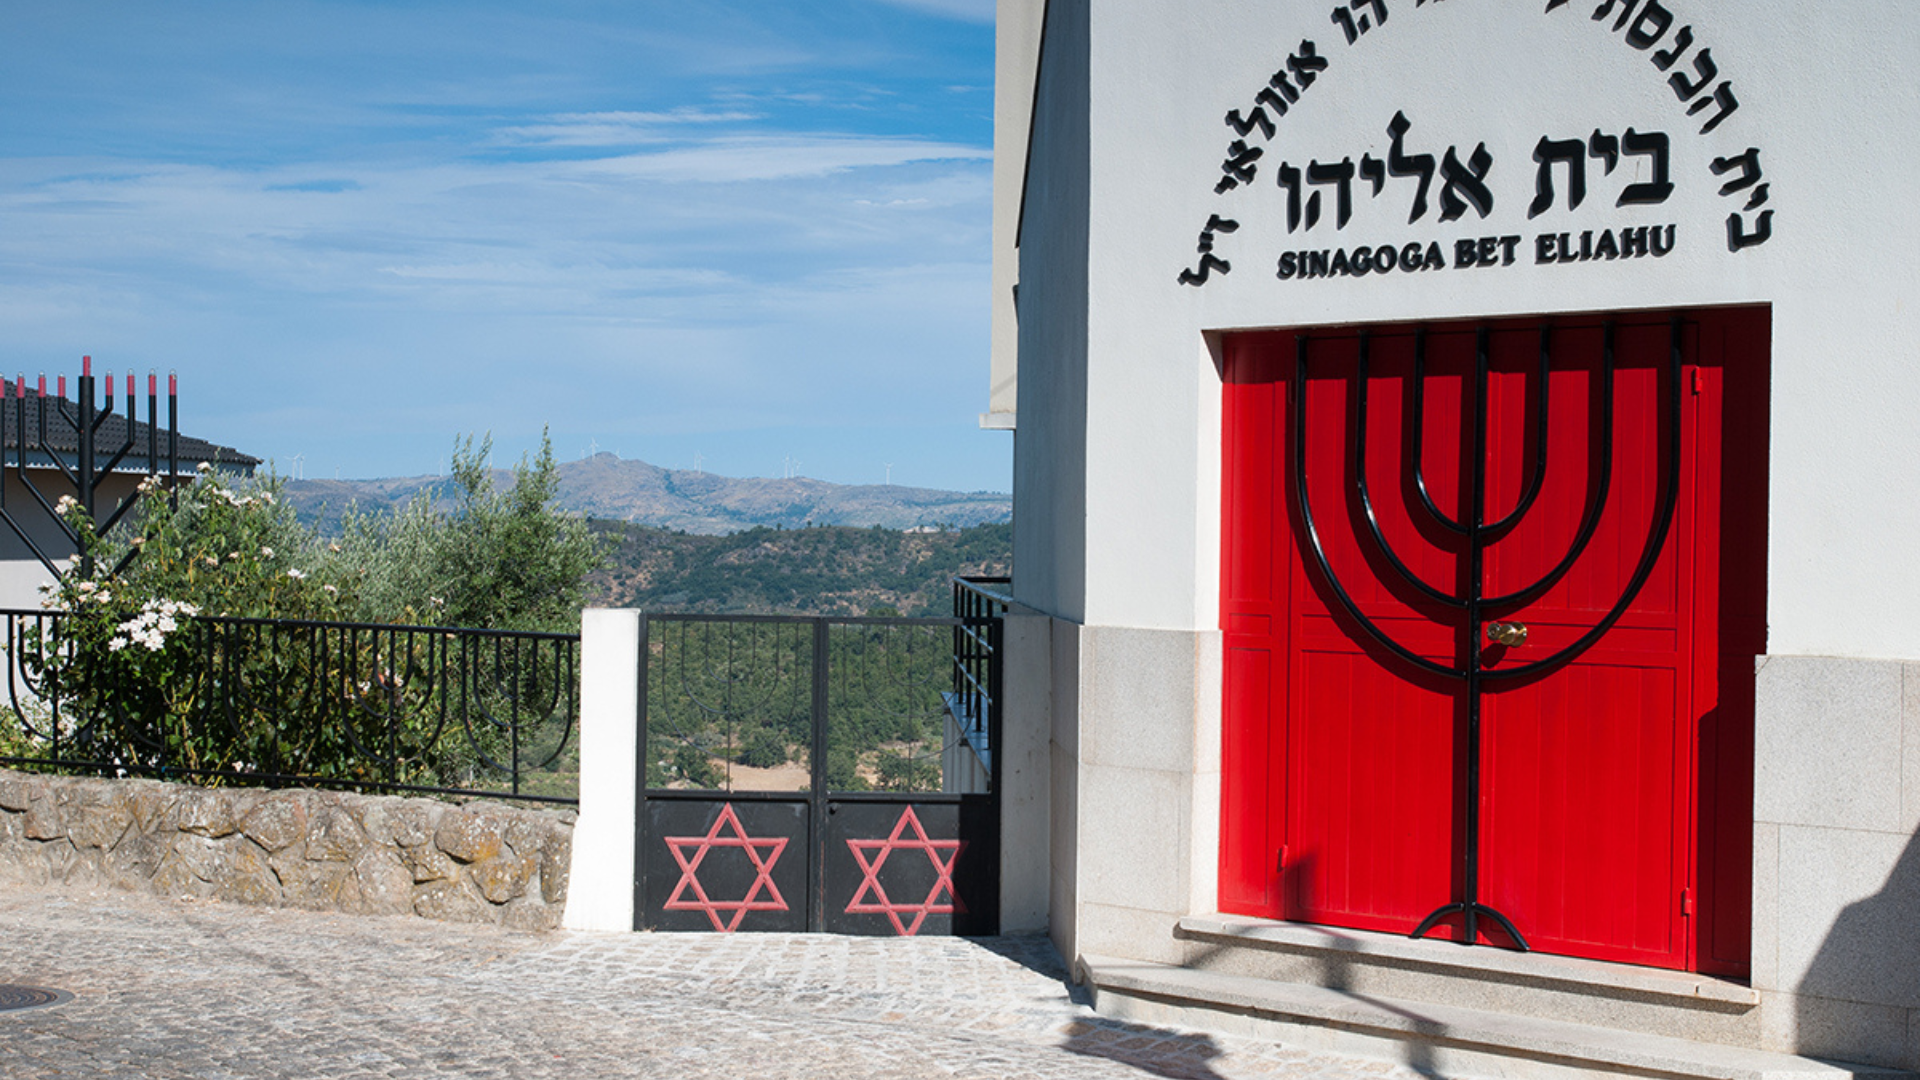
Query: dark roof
[61, 437]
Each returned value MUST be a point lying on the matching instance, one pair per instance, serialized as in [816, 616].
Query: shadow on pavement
[1036, 953]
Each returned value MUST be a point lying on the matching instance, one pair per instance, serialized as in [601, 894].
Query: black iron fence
[979, 603]
[259, 701]
[732, 702]
[796, 703]
[820, 773]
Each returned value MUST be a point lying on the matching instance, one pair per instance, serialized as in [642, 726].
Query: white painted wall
[1132, 98]
[600, 884]
[1016, 44]
[1050, 457]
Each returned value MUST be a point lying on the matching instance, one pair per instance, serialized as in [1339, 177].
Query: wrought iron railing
[980, 604]
[813, 703]
[260, 701]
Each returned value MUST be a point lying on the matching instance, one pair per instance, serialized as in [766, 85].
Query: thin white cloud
[612, 128]
[969, 10]
[773, 158]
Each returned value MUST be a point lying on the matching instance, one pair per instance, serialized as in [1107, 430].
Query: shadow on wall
[1871, 957]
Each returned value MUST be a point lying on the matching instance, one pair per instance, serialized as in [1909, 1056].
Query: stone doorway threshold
[1449, 1010]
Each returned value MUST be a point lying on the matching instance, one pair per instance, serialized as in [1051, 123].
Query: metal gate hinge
[1280, 861]
[1693, 379]
[1686, 902]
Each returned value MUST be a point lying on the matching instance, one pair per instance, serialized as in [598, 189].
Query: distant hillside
[818, 571]
[606, 486]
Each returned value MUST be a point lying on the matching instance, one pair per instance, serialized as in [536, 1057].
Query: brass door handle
[1511, 634]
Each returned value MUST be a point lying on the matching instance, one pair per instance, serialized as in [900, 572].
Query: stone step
[1679, 1004]
[1433, 1037]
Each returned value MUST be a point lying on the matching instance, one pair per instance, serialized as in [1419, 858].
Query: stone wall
[361, 854]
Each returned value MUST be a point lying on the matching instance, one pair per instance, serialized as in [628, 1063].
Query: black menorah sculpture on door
[38, 428]
[1483, 614]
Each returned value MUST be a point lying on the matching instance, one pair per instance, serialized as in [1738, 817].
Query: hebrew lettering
[1626, 12]
[1209, 262]
[1653, 144]
[1340, 175]
[1239, 168]
[1739, 239]
[1682, 41]
[1374, 171]
[1290, 179]
[1353, 27]
[1400, 164]
[1703, 65]
[1723, 97]
[1306, 64]
[1257, 119]
[1604, 147]
[1650, 27]
[1573, 154]
[1466, 184]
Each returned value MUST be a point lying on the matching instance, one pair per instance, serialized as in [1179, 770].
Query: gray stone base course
[320, 850]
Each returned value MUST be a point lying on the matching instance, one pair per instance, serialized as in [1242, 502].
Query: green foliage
[746, 688]
[830, 570]
[229, 547]
[499, 559]
[694, 766]
[907, 772]
[765, 748]
[144, 680]
[843, 768]
[131, 661]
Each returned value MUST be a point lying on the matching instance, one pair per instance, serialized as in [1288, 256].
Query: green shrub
[764, 749]
[145, 679]
[499, 559]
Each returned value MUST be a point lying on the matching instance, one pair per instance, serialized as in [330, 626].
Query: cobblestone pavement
[211, 992]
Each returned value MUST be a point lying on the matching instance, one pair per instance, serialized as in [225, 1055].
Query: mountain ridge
[608, 487]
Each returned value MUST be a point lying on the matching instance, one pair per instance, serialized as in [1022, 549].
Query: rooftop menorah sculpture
[1486, 617]
[54, 434]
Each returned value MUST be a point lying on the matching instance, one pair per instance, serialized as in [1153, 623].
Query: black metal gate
[825, 774]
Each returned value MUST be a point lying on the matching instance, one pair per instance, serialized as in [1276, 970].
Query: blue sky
[751, 235]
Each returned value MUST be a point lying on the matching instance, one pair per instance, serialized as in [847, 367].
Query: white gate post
[600, 883]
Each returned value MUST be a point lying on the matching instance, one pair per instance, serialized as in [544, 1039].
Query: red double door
[1614, 789]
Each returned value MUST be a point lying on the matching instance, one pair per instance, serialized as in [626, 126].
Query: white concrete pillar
[600, 884]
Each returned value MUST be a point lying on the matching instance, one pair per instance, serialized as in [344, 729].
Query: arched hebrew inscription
[1464, 208]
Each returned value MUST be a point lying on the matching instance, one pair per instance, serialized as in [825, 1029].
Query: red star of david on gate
[763, 853]
[870, 863]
